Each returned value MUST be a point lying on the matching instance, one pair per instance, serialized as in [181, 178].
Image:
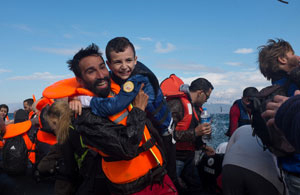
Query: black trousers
[240, 181]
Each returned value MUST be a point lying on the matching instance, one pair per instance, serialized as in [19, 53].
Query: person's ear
[135, 60]
[80, 81]
[282, 60]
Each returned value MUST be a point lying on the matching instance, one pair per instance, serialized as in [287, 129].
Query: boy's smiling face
[122, 63]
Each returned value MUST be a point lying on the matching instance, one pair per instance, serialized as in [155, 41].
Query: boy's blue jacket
[157, 109]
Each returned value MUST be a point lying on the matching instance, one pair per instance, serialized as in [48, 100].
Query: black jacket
[118, 141]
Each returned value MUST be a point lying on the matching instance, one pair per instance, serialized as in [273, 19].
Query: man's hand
[272, 107]
[76, 106]
[141, 100]
[203, 129]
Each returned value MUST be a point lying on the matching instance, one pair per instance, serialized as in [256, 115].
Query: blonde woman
[61, 158]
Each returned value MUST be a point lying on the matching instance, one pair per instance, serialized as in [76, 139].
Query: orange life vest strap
[16, 129]
[31, 114]
[30, 147]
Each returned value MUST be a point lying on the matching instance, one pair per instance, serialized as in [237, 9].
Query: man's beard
[99, 92]
[293, 62]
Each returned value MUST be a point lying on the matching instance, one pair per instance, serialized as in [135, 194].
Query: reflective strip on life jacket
[16, 129]
[120, 118]
[45, 137]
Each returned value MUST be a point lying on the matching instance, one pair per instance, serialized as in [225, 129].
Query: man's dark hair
[250, 92]
[201, 84]
[118, 44]
[29, 101]
[91, 50]
[268, 56]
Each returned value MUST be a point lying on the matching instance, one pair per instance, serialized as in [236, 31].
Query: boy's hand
[76, 106]
[141, 100]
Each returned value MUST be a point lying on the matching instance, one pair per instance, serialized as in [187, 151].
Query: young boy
[130, 74]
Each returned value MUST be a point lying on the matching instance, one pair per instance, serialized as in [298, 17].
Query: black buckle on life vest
[147, 145]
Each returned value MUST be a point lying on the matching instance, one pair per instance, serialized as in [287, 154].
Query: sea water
[219, 124]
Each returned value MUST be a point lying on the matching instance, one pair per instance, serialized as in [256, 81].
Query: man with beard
[132, 159]
[278, 63]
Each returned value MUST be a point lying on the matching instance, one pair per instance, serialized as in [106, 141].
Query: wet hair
[250, 92]
[91, 50]
[118, 44]
[268, 56]
[201, 84]
[4, 106]
[61, 111]
[29, 101]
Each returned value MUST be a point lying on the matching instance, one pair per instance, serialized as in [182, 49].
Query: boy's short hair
[201, 84]
[91, 50]
[118, 44]
[268, 56]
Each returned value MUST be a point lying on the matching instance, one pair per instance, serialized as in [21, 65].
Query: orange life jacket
[184, 124]
[7, 118]
[46, 137]
[118, 172]
[43, 136]
[125, 171]
[171, 89]
[31, 114]
[22, 128]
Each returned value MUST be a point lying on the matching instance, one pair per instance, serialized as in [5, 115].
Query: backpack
[15, 155]
[272, 139]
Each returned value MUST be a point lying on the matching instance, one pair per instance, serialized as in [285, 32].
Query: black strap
[147, 145]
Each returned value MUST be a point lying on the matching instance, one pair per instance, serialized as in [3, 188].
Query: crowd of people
[120, 131]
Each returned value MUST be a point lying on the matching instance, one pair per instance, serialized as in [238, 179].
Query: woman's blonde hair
[61, 111]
